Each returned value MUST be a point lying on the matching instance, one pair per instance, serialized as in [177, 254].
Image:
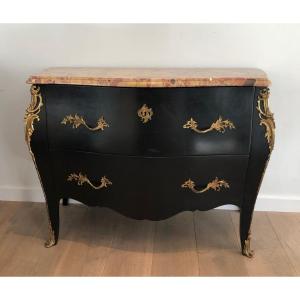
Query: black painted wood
[65, 201]
[147, 163]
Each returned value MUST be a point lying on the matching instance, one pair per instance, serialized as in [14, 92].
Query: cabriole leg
[245, 233]
[262, 143]
[53, 218]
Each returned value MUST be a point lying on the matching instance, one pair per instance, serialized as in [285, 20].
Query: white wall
[25, 49]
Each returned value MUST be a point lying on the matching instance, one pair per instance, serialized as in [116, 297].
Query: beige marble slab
[152, 77]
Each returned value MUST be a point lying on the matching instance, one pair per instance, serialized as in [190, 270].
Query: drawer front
[150, 188]
[149, 122]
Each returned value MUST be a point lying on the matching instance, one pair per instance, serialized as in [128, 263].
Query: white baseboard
[263, 203]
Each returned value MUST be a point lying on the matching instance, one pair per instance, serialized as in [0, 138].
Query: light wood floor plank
[217, 244]
[49, 260]
[71, 260]
[100, 242]
[19, 239]
[131, 248]
[175, 252]
[7, 210]
[287, 229]
[101, 227]
[270, 258]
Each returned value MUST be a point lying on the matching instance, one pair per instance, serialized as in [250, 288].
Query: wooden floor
[100, 242]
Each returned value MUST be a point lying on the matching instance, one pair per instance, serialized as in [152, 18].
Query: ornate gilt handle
[220, 125]
[81, 179]
[215, 185]
[76, 121]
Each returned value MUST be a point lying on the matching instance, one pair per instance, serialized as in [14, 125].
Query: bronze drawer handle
[81, 179]
[220, 125]
[76, 121]
[215, 185]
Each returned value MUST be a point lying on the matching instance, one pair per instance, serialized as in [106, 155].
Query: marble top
[152, 77]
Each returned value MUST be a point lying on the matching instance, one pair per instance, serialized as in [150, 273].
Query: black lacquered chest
[150, 143]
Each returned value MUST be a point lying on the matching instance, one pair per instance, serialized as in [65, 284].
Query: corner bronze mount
[266, 117]
[32, 115]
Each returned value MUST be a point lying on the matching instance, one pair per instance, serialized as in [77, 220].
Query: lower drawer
[150, 188]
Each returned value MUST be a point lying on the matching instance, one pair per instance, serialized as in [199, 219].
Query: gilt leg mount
[51, 241]
[53, 223]
[246, 248]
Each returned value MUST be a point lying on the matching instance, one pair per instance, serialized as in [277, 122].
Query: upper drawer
[149, 121]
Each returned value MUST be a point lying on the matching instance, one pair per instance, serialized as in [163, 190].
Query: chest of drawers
[150, 143]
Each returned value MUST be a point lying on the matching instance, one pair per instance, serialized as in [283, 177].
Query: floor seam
[154, 235]
[237, 234]
[283, 248]
[109, 252]
[197, 252]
